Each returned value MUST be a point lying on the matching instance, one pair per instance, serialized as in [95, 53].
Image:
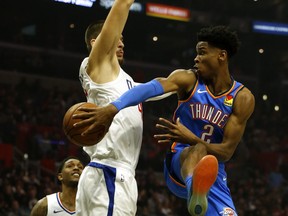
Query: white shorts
[105, 190]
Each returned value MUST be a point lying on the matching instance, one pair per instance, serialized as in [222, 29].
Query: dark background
[41, 49]
[46, 26]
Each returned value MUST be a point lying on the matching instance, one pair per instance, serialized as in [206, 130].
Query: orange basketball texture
[74, 134]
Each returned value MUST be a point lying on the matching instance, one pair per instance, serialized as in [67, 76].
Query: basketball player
[209, 122]
[107, 185]
[62, 203]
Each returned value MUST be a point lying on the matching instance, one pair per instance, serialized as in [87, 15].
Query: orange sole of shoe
[204, 176]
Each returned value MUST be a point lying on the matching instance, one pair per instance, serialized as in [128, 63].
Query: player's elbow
[227, 154]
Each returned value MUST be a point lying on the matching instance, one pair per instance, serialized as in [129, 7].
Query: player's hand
[175, 132]
[95, 117]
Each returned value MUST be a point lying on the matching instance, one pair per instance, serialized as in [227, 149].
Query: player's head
[221, 37]
[92, 32]
[69, 171]
[215, 46]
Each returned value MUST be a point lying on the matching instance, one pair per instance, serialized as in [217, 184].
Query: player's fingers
[158, 136]
[164, 141]
[82, 115]
[89, 129]
[163, 136]
[178, 121]
[163, 127]
[87, 109]
[83, 123]
[166, 122]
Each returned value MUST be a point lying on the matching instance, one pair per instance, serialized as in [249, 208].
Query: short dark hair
[60, 168]
[221, 37]
[92, 32]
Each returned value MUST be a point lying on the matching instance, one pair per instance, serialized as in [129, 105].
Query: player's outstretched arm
[178, 80]
[99, 116]
[105, 45]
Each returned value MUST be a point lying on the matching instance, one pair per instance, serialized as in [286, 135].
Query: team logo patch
[228, 100]
[122, 178]
[228, 212]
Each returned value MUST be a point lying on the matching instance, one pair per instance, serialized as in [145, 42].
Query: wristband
[139, 94]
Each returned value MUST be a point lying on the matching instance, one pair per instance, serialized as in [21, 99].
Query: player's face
[207, 59]
[120, 51]
[71, 172]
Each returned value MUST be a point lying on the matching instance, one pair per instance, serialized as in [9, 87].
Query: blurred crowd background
[41, 52]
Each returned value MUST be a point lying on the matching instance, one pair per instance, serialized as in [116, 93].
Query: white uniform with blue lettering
[55, 207]
[107, 185]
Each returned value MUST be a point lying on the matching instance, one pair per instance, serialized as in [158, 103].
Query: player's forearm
[160, 97]
[221, 151]
[139, 94]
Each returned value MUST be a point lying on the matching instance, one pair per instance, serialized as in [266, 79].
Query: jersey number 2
[207, 135]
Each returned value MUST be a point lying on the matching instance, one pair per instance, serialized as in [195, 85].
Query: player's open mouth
[120, 52]
[76, 174]
[195, 68]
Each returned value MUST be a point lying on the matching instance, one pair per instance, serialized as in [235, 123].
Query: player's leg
[204, 176]
[172, 174]
[200, 172]
[93, 197]
[220, 199]
[126, 193]
[189, 158]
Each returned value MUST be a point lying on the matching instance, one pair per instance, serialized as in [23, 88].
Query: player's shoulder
[84, 61]
[40, 208]
[185, 74]
[83, 65]
[184, 71]
[245, 98]
[245, 93]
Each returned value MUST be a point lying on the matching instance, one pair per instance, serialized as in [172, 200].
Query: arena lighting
[261, 51]
[155, 38]
[84, 3]
[276, 108]
[270, 28]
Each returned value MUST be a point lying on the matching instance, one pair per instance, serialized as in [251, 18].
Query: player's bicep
[235, 127]
[178, 81]
[233, 133]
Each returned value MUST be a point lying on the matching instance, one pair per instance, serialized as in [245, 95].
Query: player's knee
[200, 149]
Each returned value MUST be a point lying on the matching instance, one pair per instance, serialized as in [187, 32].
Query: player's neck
[68, 198]
[220, 86]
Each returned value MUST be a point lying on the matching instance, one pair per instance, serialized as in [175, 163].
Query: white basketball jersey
[122, 144]
[55, 207]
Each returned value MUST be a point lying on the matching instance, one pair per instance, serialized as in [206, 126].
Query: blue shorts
[219, 198]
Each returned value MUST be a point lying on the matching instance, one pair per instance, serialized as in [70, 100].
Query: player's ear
[60, 177]
[223, 55]
[92, 41]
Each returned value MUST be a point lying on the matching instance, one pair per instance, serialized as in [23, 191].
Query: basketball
[74, 134]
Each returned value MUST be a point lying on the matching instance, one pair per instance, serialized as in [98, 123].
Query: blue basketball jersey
[206, 116]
